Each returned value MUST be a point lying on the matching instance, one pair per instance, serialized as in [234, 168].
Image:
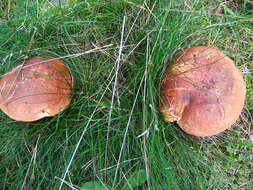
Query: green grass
[112, 132]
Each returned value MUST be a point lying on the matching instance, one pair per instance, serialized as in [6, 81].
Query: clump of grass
[117, 52]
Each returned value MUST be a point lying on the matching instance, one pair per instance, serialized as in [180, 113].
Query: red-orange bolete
[203, 91]
[34, 89]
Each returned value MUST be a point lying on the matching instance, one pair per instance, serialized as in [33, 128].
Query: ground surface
[112, 136]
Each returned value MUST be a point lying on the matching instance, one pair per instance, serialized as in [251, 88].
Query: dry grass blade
[144, 116]
[115, 85]
[82, 135]
[33, 159]
[9, 9]
[126, 131]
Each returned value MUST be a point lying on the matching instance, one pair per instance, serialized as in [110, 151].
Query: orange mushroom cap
[37, 88]
[203, 91]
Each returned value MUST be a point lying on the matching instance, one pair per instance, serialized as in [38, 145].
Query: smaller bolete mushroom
[36, 88]
[203, 91]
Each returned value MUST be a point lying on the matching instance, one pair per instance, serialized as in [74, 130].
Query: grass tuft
[113, 131]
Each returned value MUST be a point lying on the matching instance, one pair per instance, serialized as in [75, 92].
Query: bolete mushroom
[203, 91]
[36, 88]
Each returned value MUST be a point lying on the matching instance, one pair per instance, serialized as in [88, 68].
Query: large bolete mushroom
[37, 88]
[203, 91]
